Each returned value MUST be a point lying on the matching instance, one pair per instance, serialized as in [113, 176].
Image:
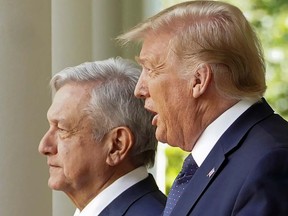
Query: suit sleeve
[265, 190]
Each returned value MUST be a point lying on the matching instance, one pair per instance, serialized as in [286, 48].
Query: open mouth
[154, 120]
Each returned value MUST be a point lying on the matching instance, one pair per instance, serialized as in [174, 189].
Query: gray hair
[113, 103]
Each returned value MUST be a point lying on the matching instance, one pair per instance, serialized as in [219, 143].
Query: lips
[51, 164]
[154, 120]
[53, 168]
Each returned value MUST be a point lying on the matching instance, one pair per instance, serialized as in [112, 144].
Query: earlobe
[201, 80]
[120, 141]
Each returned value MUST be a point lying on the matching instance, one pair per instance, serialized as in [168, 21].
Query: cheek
[80, 160]
[171, 118]
[165, 98]
[68, 157]
[178, 100]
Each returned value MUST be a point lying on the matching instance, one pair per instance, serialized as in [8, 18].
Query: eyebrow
[148, 61]
[140, 61]
[55, 119]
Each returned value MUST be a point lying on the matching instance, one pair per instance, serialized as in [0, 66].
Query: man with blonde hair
[203, 78]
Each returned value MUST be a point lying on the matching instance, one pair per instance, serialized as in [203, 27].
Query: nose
[47, 145]
[141, 89]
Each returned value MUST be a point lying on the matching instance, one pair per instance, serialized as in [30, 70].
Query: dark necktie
[188, 169]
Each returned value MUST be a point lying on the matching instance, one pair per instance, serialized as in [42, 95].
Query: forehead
[70, 99]
[155, 48]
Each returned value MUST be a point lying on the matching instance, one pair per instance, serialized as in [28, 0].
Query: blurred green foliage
[270, 20]
[174, 163]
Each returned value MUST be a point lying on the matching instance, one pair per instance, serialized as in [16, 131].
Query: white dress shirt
[216, 129]
[112, 191]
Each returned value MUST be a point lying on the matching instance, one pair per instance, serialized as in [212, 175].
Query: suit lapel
[121, 204]
[216, 158]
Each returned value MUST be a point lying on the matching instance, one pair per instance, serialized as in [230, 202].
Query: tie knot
[189, 167]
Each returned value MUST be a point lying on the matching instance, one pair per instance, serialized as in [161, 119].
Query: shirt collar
[216, 129]
[112, 191]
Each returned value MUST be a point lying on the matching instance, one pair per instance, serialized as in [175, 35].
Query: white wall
[25, 65]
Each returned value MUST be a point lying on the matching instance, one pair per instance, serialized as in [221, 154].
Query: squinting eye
[63, 133]
[147, 70]
[61, 129]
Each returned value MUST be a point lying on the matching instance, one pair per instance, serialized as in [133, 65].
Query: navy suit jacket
[142, 199]
[246, 173]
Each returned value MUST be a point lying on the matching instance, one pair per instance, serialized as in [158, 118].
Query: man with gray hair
[101, 141]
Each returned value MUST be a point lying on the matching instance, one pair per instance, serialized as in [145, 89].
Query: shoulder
[142, 199]
[265, 189]
[150, 202]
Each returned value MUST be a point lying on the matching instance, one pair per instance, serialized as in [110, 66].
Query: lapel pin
[211, 173]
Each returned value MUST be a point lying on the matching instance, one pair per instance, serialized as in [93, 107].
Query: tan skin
[78, 165]
[183, 108]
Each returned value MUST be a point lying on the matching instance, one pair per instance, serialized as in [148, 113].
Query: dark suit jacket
[143, 198]
[246, 173]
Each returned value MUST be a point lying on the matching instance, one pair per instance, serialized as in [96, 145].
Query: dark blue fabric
[142, 199]
[250, 170]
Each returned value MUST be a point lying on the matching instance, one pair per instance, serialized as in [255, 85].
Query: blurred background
[41, 37]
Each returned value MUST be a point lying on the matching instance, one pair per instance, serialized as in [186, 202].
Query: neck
[83, 194]
[207, 112]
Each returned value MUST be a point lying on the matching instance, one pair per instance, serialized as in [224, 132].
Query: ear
[201, 79]
[121, 141]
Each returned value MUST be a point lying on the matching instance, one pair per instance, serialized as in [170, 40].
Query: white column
[71, 33]
[25, 62]
[110, 18]
[106, 25]
[133, 12]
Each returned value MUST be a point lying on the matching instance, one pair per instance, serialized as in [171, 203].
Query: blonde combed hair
[212, 33]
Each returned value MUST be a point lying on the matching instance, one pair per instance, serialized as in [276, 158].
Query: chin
[55, 184]
[159, 136]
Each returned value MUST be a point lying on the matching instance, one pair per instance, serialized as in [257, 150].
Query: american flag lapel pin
[211, 172]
